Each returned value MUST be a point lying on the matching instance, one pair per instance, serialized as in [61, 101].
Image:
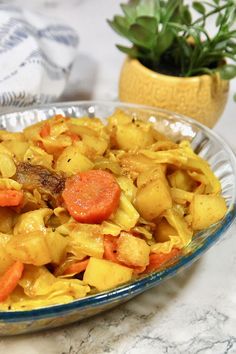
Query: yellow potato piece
[119, 117]
[30, 248]
[5, 260]
[7, 166]
[164, 230]
[206, 210]
[71, 161]
[6, 220]
[32, 221]
[17, 148]
[132, 250]
[151, 174]
[37, 156]
[134, 164]
[153, 199]
[130, 136]
[95, 124]
[104, 275]
[181, 180]
[55, 146]
[9, 136]
[96, 144]
[57, 246]
[32, 131]
[87, 240]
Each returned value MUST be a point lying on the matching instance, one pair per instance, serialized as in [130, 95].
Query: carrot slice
[74, 137]
[77, 267]
[157, 260]
[9, 197]
[91, 196]
[45, 130]
[10, 279]
[40, 144]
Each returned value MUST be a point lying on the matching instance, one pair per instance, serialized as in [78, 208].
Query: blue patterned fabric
[36, 55]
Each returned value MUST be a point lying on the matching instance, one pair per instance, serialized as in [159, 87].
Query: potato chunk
[97, 145]
[129, 136]
[6, 220]
[72, 161]
[37, 156]
[180, 179]
[151, 174]
[164, 230]
[32, 221]
[5, 260]
[152, 199]
[29, 248]
[17, 148]
[57, 246]
[206, 210]
[87, 240]
[104, 275]
[7, 166]
[133, 250]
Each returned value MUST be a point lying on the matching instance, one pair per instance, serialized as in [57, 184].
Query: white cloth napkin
[36, 55]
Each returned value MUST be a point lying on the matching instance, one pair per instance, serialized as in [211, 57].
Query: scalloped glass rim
[140, 285]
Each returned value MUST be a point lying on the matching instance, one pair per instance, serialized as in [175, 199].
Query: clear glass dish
[204, 141]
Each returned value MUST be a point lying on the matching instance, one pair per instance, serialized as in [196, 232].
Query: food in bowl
[86, 207]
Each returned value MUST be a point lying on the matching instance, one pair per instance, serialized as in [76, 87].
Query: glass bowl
[203, 140]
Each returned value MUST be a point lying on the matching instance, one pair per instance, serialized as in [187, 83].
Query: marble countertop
[192, 313]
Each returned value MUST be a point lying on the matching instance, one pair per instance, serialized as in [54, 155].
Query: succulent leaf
[148, 22]
[118, 27]
[164, 40]
[129, 11]
[133, 52]
[141, 36]
[146, 8]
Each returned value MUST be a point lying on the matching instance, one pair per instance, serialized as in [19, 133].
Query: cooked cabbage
[164, 193]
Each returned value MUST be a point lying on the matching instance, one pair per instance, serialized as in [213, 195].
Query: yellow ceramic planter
[201, 97]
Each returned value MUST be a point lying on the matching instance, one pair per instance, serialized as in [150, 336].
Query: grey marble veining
[192, 313]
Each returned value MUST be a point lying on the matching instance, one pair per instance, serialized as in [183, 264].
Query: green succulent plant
[167, 39]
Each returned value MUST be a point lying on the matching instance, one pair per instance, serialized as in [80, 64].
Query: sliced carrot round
[10, 279]
[45, 130]
[91, 196]
[157, 260]
[77, 267]
[74, 137]
[9, 197]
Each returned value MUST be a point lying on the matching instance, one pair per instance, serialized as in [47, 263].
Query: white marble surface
[193, 313]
